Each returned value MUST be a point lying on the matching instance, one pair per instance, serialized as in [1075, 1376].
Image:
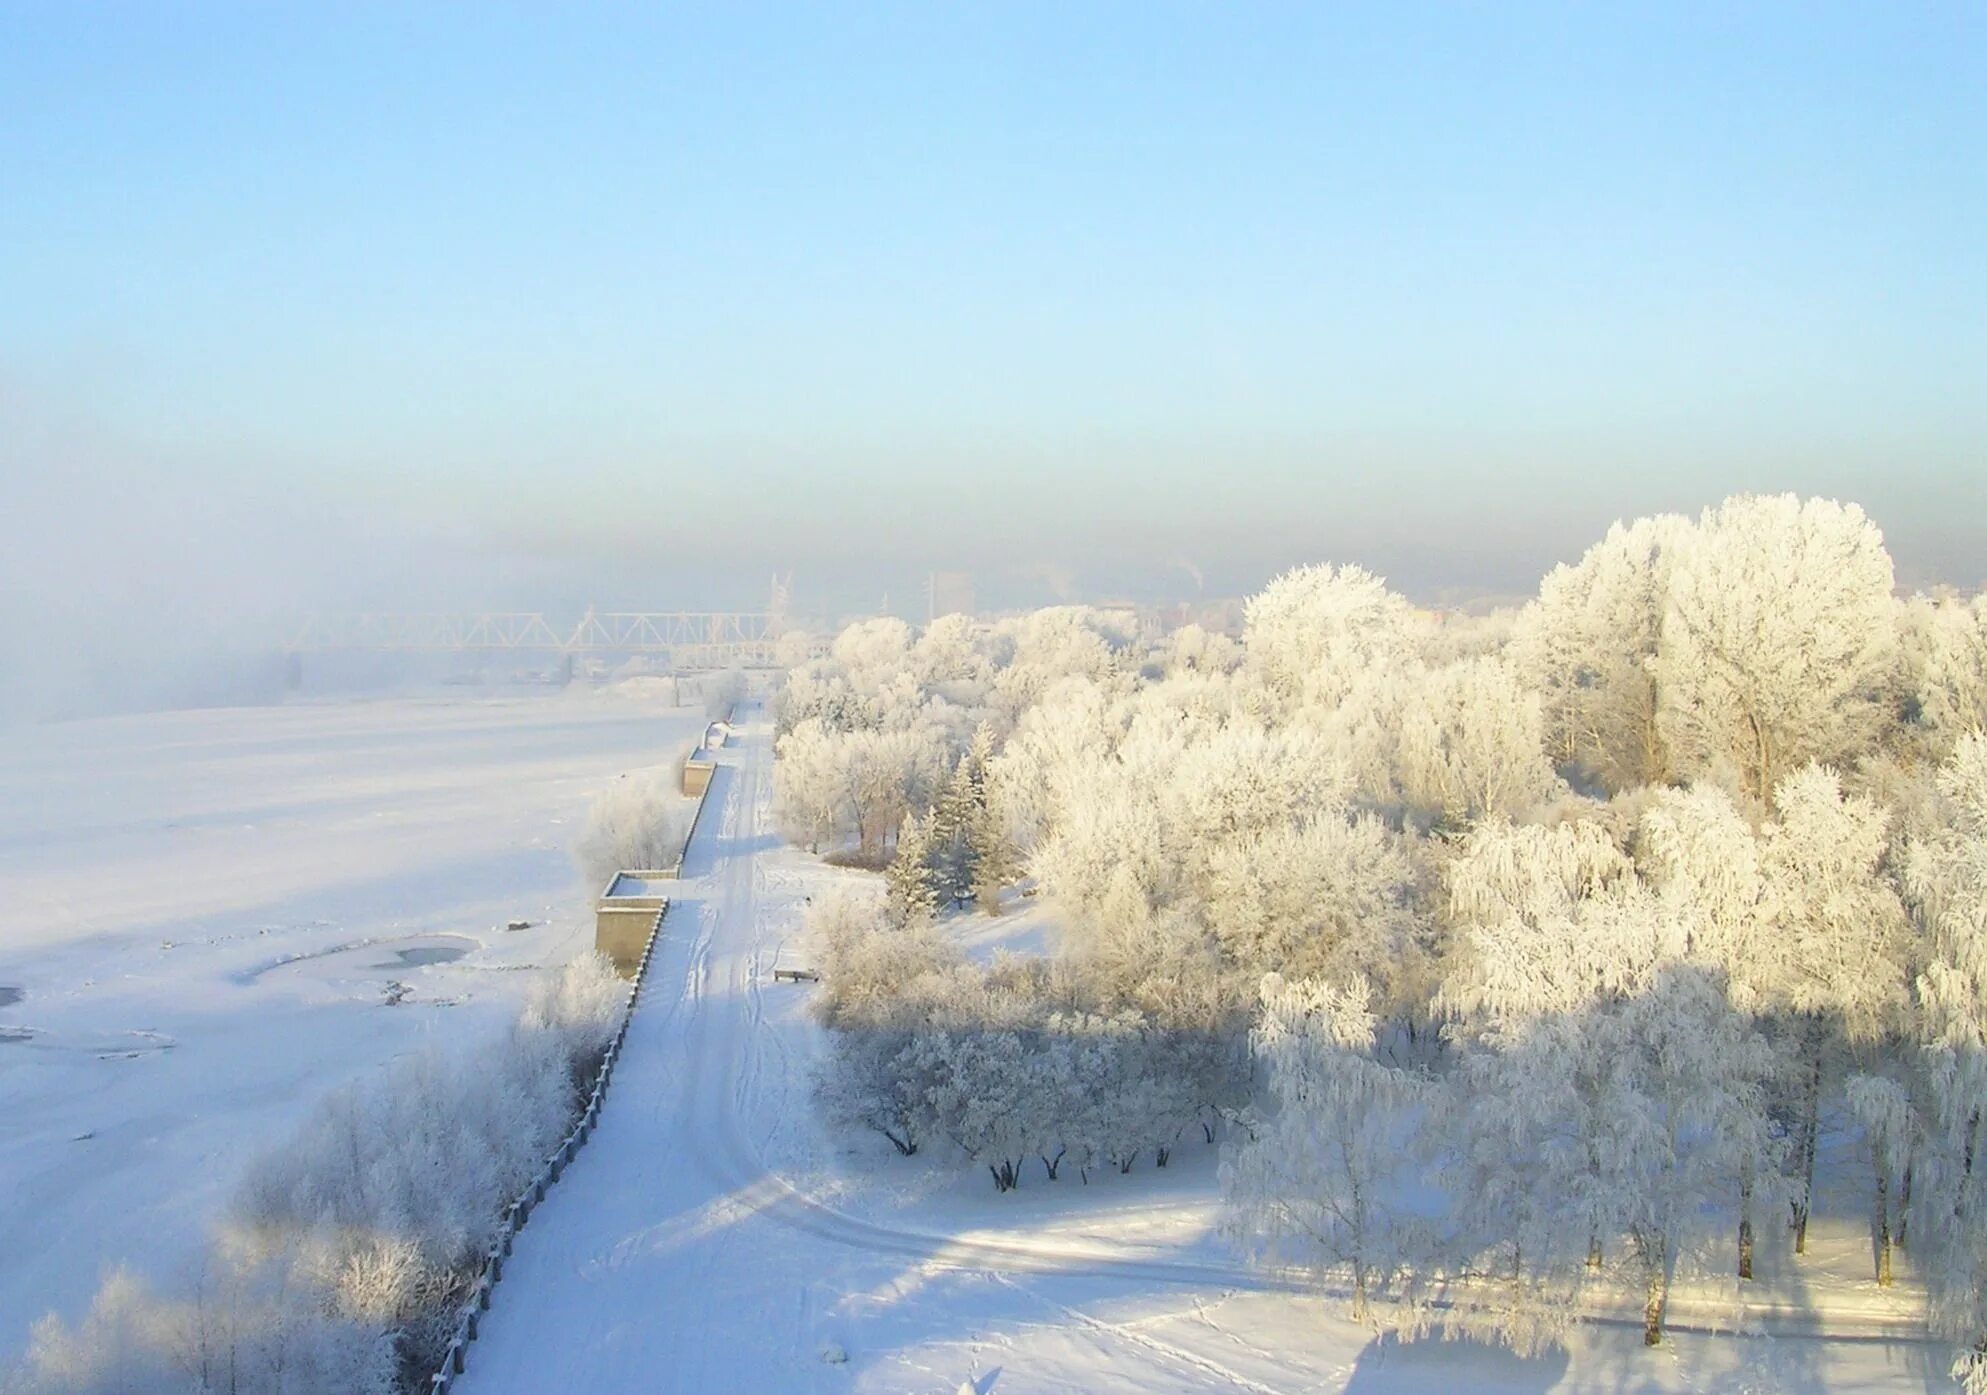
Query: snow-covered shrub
[581, 1005]
[638, 821]
[340, 1260]
[244, 1332]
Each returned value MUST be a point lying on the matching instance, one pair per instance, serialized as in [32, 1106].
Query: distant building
[948, 593]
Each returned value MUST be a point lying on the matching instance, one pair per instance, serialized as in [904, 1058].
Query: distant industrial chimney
[948, 593]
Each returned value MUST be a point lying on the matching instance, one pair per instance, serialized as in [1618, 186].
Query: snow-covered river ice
[201, 914]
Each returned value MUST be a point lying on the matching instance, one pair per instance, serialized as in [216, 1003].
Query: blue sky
[1039, 289]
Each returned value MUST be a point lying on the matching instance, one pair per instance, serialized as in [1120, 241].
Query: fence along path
[469, 1324]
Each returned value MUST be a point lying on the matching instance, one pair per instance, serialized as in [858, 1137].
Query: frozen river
[202, 915]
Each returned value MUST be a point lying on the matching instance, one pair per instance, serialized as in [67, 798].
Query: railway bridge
[683, 639]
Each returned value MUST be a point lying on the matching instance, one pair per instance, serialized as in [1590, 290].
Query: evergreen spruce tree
[952, 852]
[990, 861]
[913, 894]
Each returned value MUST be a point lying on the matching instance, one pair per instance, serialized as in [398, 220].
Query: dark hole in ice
[426, 954]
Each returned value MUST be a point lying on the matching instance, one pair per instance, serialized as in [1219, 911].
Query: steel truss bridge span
[691, 639]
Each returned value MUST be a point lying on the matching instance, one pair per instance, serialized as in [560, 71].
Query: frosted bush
[636, 822]
[244, 1331]
[583, 1003]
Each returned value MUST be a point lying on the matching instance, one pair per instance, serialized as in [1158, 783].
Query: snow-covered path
[673, 1257]
[654, 1265]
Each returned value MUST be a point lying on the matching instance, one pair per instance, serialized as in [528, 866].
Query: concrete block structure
[627, 911]
[697, 776]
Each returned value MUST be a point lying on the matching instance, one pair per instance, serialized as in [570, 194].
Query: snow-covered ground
[713, 1237]
[202, 915]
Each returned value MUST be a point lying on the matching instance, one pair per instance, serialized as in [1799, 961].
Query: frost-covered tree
[875, 1076]
[1702, 856]
[1192, 649]
[1944, 644]
[1778, 643]
[1947, 878]
[1587, 647]
[868, 968]
[1315, 1177]
[913, 882]
[1312, 633]
[873, 651]
[340, 1262]
[1521, 1161]
[1472, 742]
[1883, 1107]
[809, 799]
[1681, 1124]
[964, 828]
[814, 693]
[1330, 897]
[1046, 648]
[1836, 962]
[986, 1097]
[947, 654]
[984, 859]
[244, 1332]
[1536, 923]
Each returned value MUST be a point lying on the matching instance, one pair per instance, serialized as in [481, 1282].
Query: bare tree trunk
[1745, 1224]
[1883, 1231]
[1810, 1135]
[1904, 1204]
[1652, 1309]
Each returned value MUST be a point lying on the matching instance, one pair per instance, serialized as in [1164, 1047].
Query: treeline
[1662, 894]
[346, 1253]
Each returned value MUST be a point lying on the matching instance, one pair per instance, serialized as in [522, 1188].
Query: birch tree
[1836, 962]
[1778, 643]
[1314, 1176]
[1588, 646]
[1947, 878]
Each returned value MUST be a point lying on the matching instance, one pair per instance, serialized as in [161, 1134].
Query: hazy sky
[529, 304]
